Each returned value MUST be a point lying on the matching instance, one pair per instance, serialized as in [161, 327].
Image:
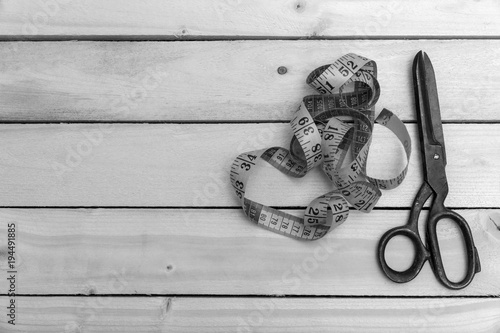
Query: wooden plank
[188, 165]
[194, 81]
[218, 251]
[159, 314]
[184, 19]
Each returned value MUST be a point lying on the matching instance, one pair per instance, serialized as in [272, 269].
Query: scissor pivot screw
[436, 156]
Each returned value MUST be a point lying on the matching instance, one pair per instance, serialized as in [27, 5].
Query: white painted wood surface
[188, 165]
[229, 18]
[179, 234]
[179, 314]
[218, 251]
[237, 81]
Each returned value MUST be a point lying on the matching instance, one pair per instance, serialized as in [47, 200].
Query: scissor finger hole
[452, 248]
[400, 253]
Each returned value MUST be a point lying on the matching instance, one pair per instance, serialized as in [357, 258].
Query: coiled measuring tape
[349, 89]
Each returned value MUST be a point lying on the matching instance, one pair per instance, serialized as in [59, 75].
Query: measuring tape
[322, 136]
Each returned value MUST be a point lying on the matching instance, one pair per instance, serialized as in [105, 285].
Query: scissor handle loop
[473, 264]
[421, 253]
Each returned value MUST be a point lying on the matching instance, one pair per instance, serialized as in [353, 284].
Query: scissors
[435, 183]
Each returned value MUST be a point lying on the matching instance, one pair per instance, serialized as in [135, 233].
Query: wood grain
[188, 165]
[158, 314]
[173, 228]
[303, 18]
[218, 251]
[237, 81]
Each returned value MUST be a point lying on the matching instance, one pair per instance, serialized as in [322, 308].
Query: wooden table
[120, 120]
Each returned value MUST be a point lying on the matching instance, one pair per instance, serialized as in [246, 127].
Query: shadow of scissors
[434, 162]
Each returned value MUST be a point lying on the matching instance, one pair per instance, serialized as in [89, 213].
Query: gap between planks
[162, 314]
[264, 296]
[228, 38]
[205, 122]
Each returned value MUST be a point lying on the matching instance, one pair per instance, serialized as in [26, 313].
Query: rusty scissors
[435, 183]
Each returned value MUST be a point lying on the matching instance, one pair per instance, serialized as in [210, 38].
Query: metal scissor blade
[428, 104]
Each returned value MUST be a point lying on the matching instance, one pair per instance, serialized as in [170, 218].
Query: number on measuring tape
[321, 135]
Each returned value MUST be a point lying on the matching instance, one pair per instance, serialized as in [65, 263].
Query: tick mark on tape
[282, 70]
